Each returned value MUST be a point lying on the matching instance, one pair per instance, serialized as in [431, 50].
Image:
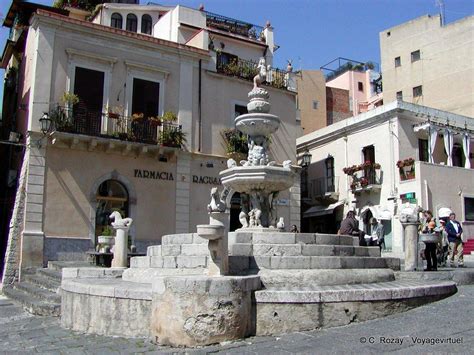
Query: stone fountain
[258, 179]
[214, 285]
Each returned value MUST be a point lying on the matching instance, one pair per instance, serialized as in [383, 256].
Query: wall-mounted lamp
[306, 158]
[45, 123]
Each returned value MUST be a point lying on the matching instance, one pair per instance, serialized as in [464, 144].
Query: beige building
[114, 149]
[429, 64]
[312, 100]
[376, 162]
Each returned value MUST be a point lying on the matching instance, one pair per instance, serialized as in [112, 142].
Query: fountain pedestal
[120, 249]
[216, 233]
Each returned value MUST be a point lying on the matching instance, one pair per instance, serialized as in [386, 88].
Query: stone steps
[274, 278]
[291, 238]
[31, 302]
[43, 281]
[38, 292]
[247, 249]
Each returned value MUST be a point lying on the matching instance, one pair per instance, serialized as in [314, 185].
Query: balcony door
[87, 113]
[369, 157]
[145, 100]
[330, 174]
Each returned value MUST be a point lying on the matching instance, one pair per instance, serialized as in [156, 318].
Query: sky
[312, 33]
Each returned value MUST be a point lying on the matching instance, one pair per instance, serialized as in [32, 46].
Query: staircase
[38, 293]
[469, 247]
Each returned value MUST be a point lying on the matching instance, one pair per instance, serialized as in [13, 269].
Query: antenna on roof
[440, 4]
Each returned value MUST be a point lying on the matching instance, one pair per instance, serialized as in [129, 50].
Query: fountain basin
[257, 124]
[210, 231]
[258, 178]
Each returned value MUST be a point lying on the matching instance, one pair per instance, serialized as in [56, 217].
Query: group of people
[449, 250]
[350, 226]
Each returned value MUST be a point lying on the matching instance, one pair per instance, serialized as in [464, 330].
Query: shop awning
[317, 211]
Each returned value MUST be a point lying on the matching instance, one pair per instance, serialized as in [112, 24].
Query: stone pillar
[295, 204]
[32, 237]
[183, 185]
[199, 310]
[121, 246]
[219, 248]
[410, 231]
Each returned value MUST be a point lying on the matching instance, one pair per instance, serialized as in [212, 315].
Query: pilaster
[295, 204]
[183, 187]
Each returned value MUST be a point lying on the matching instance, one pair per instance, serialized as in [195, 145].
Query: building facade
[429, 64]
[376, 162]
[138, 111]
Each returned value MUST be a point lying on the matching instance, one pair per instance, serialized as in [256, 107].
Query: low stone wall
[95, 301]
[283, 311]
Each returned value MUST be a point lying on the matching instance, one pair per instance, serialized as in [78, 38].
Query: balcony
[247, 69]
[234, 26]
[324, 189]
[367, 179]
[113, 126]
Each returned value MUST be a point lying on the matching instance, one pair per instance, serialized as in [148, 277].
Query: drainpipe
[200, 108]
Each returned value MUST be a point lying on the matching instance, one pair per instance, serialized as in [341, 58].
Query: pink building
[360, 79]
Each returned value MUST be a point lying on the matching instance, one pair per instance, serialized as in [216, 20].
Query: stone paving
[427, 329]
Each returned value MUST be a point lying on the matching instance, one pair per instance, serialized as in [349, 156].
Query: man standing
[454, 230]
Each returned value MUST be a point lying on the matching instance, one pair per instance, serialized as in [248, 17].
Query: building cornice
[413, 112]
[99, 58]
[144, 67]
[136, 39]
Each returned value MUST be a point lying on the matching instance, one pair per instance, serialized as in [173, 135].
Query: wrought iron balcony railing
[234, 26]
[247, 69]
[110, 125]
[365, 178]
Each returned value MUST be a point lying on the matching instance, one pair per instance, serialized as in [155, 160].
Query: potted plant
[236, 145]
[137, 117]
[105, 240]
[115, 112]
[69, 99]
[154, 121]
[172, 137]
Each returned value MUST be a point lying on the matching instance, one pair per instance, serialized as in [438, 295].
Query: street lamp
[306, 159]
[45, 123]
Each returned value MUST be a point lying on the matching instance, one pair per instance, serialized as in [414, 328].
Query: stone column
[218, 248]
[121, 246]
[410, 231]
[183, 192]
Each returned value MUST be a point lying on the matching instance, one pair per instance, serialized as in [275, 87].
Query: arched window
[111, 196]
[132, 23]
[116, 20]
[146, 24]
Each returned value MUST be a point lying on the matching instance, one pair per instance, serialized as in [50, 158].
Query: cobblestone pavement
[420, 330]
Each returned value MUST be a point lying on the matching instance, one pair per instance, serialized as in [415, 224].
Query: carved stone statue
[119, 221]
[262, 73]
[243, 219]
[287, 164]
[231, 163]
[216, 204]
[281, 224]
[410, 213]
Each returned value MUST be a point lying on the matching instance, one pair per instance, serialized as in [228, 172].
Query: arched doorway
[111, 196]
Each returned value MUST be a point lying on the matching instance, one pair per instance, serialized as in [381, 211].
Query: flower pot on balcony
[113, 115]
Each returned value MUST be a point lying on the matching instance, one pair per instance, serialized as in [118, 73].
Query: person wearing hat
[454, 230]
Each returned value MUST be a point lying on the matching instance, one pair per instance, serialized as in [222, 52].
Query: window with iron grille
[399, 95]
[360, 86]
[315, 104]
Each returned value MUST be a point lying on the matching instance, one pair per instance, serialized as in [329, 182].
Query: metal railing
[324, 185]
[115, 126]
[366, 177]
[231, 25]
[247, 69]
